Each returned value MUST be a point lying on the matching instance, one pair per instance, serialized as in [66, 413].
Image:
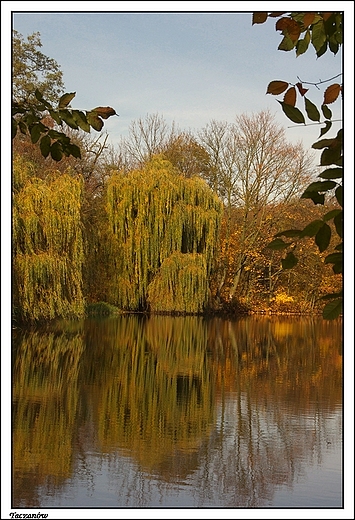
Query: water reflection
[175, 412]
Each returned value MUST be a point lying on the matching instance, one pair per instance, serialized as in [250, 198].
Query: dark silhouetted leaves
[36, 131]
[278, 244]
[332, 173]
[293, 113]
[325, 128]
[289, 262]
[312, 110]
[312, 228]
[56, 151]
[331, 214]
[321, 186]
[80, 120]
[333, 309]
[322, 238]
[45, 145]
[327, 113]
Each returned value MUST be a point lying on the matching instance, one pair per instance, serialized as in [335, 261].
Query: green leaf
[311, 109]
[22, 127]
[56, 151]
[327, 113]
[318, 35]
[54, 115]
[333, 46]
[324, 143]
[289, 233]
[35, 132]
[72, 149]
[289, 262]
[332, 173]
[333, 309]
[339, 195]
[293, 113]
[318, 198]
[326, 128]
[338, 268]
[45, 145]
[322, 50]
[302, 45]
[333, 258]
[39, 97]
[94, 121]
[80, 120]
[286, 44]
[321, 186]
[331, 214]
[68, 119]
[331, 156]
[322, 238]
[312, 228]
[278, 244]
[66, 99]
[331, 296]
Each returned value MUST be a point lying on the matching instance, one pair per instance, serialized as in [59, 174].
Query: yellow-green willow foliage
[164, 234]
[47, 245]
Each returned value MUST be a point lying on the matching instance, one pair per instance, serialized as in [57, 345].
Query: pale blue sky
[189, 67]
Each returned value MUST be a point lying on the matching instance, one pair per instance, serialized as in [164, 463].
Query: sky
[184, 64]
[188, 67]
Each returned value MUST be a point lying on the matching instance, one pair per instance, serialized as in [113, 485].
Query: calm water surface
[178, 412]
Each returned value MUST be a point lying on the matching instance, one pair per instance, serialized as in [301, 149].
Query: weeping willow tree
[47, 245]
[164, 229]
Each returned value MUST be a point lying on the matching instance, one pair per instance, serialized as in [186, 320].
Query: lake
[135, 411]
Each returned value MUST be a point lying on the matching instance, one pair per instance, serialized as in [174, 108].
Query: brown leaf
[259, 17]
[308, 19]
[301, 90]
[331, 94]
[275, 14]
[277, 87]
[290, 96]
[104, 112]
[289, 27]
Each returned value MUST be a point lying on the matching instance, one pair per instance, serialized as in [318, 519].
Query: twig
[319, 82]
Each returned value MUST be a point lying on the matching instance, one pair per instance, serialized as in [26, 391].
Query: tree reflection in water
[227, 410]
